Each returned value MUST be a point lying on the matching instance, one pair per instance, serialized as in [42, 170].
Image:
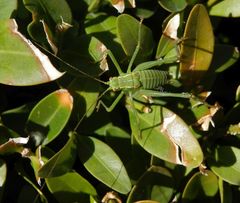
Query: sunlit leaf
[226, 164]
[7, 8]
[71, 187]
[197, 46]
[226, 8]
[102, 162]
[166, 136]
[22, 63]
[49, 116]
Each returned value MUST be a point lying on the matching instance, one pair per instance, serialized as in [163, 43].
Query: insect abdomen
[151, 79]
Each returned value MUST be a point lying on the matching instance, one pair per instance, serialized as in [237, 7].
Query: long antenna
[70, 65]
[87, 110]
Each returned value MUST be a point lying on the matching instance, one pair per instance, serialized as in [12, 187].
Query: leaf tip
[65, 98]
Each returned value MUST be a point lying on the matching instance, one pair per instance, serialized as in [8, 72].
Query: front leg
[159, 62]
[112, 106]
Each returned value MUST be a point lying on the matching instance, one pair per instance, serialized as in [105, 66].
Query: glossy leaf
[226, 164]
[22, 63]
[227, 8]
[7, 8]
[61, 162]
[71, 187]
[49, 116]
[201, 187]
[127, 32]
[173, 5]
[156, 184]
[165, 135]
[102, 162]
[197, 46]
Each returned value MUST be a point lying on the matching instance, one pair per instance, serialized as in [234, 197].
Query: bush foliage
[166, 131]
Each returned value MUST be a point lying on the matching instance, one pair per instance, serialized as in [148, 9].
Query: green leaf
[49, 20]
[156, 184]
[173, 5]
[3, 173]
[169, 39]
[226, 8]
[201, 187]
[61, 162]
[50, 8]
[127, 31]
[238, 94]
[49, 116]
[165, 135]
[22, 64]
[226, 164]
[197, 46]
[102, 162]
[7, 8]
[71, 187]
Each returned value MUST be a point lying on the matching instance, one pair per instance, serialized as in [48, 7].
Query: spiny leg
[154, 93]
[135, 53]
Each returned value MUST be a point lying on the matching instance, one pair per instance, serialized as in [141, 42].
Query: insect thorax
[146, 79]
